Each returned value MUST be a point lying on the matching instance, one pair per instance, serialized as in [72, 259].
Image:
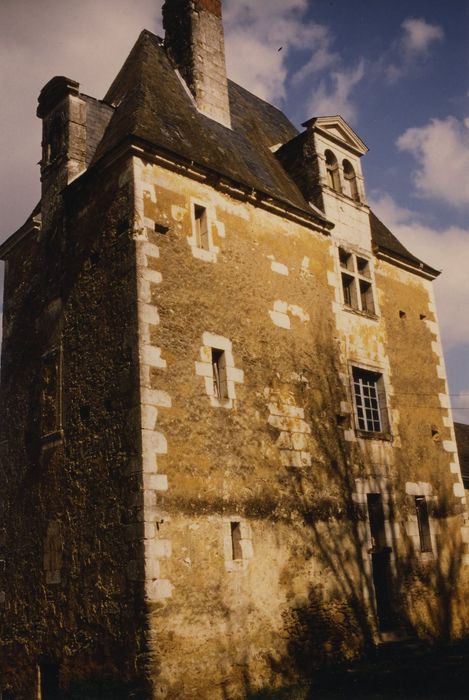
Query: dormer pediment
[337, 130]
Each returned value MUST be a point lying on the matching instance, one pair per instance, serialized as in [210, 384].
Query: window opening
[357, 286]
[220, 384]
[363, 267]
[85, 412]
[332, 169]
[54, 139]
[370, 405]
[351, 184]
[48, 680]
[423, 521]
[201, 227]
[342, 420]
[376, 515]
[366, 297]
[381, 564]
[236, 540]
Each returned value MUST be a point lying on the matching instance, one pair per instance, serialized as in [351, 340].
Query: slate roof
[386, 241]
[152, 104]
[462, 441]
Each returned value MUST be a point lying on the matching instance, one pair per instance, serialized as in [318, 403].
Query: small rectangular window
[220, 384]
[423, 521]
[48, 684]
[369, 399]
[201, 227]
[236, 541]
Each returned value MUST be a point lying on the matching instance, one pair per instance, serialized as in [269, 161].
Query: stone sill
[369, 435]
[362, 314]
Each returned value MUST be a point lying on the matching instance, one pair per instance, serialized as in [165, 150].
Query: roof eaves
[133, 145]
[416, 266]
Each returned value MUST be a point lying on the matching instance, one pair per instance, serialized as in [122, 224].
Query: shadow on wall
[373, 579]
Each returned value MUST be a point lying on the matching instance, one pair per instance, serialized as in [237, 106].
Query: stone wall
[258, 523]
[209, 535]
[70, 471]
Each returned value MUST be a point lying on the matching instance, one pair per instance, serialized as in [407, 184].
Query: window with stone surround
[220, 383]
[217, 367]
[369, 401]
[421, 508]
[236, 550]
[332, 170]
[201, 227]
[237, 544]
[350, 181]
[357, 286]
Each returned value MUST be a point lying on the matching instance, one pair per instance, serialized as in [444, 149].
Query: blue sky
[398, 72]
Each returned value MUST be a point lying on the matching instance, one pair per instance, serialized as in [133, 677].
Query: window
[220, 384]
[357, 286]
[48, 673]
[423, 523]
[369, 398]
[236, 550]
[237, 544]
[376, 516]
[350, 181]
[332, 169]
[201, 227]
[54, 139]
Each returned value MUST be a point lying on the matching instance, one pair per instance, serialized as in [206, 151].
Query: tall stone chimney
[194, 39]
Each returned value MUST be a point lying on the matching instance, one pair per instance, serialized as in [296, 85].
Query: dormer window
[332, 168]
[350, 181]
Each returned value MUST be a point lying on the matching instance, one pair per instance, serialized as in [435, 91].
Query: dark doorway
[49, 680]
[381, 564]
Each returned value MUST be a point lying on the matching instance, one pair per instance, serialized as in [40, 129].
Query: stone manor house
[227, 451]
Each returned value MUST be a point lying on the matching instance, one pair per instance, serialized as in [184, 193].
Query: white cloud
[336, 96]
[446, 249]
[419, 35]
[87, 41]
[253, 41]
[412, 47]
[441, 150]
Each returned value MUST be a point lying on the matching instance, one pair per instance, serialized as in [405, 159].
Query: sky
[398, 72]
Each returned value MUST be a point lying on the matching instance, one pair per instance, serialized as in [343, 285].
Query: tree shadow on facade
[342, 617]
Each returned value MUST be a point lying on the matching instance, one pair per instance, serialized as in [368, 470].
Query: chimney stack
[194, 39]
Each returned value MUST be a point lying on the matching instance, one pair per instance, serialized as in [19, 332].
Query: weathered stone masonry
[227, 452]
